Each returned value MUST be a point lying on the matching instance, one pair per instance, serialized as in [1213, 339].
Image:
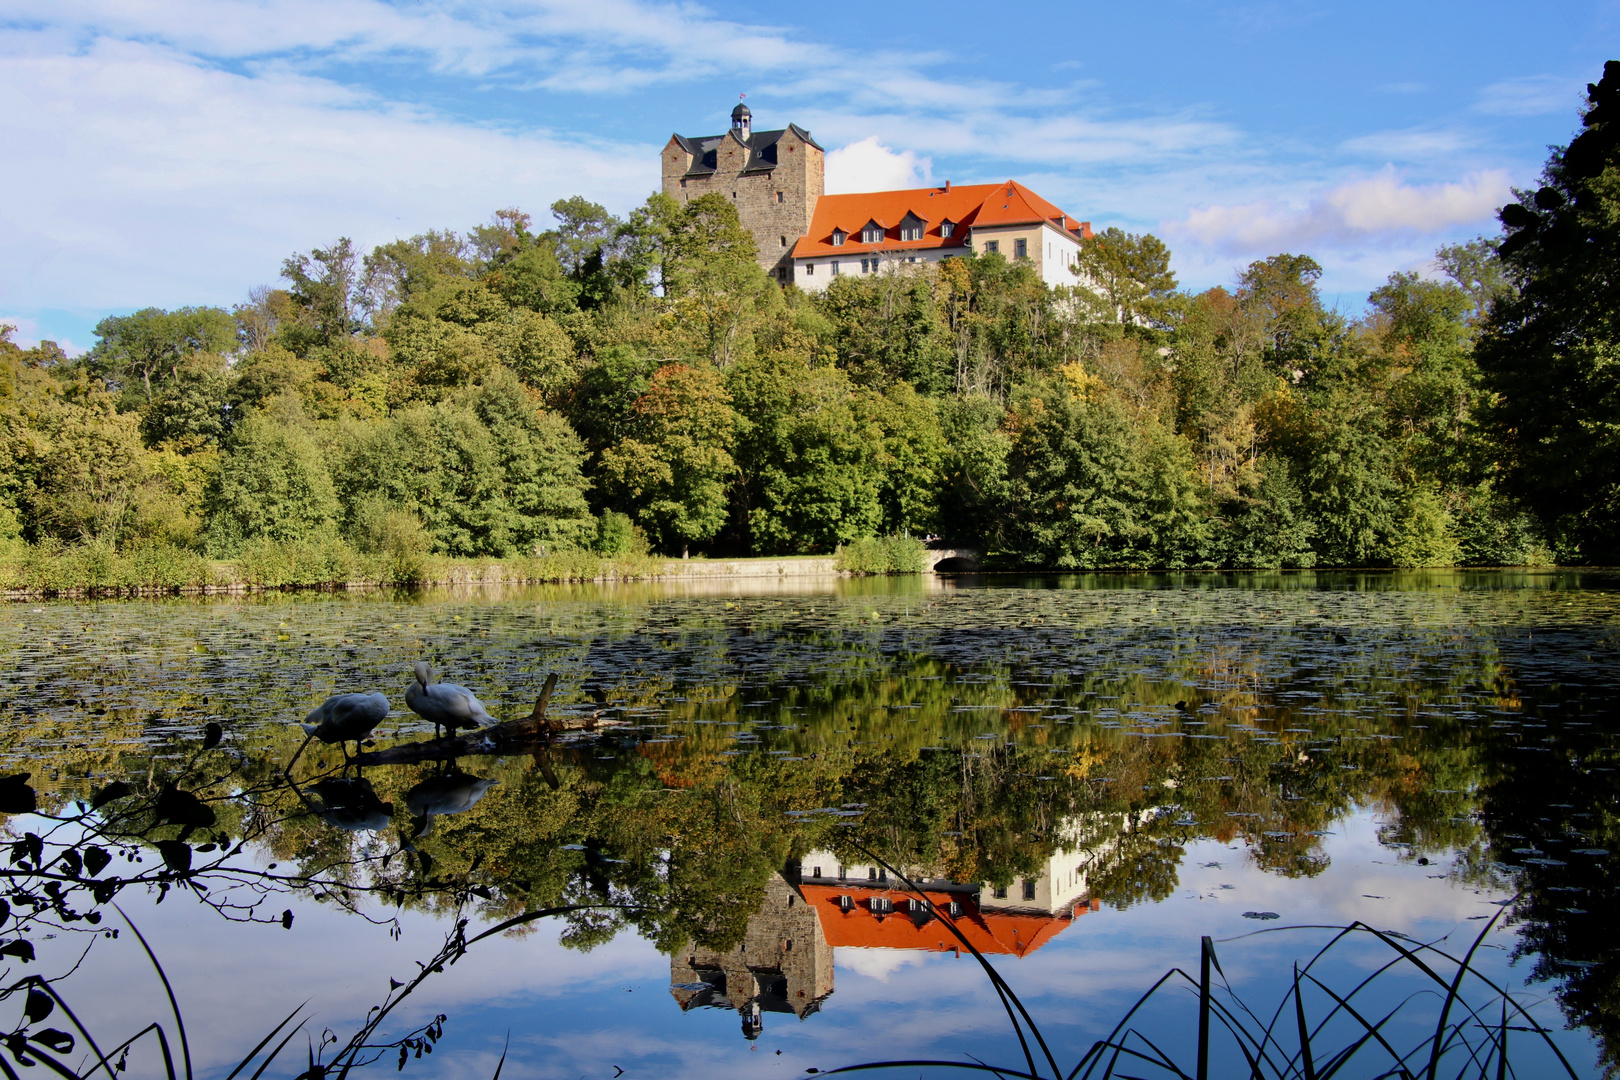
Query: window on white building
[1020, 249]
[992, 246]
[833, 268]
[809, 269]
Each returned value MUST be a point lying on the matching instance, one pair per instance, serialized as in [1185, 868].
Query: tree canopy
[612, 382]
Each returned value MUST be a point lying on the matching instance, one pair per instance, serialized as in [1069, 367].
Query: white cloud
[1415, 144]
[1375, 209]
[25, 331]
[174, 151]
[877, 964]
[868, 165]
[1532, 95]
[138, 175]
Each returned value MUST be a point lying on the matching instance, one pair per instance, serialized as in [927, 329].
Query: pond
[773, 828]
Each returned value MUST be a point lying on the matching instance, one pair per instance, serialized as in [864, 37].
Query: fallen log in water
[536, 729]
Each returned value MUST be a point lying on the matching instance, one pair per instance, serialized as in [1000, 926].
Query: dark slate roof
[761, 144]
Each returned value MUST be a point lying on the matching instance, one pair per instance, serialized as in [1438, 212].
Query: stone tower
[774, 177]
[784, 964]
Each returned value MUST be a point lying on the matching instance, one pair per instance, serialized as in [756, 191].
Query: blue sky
[170, 152]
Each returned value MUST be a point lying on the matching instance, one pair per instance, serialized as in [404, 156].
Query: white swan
[445, 704]
[343, 717]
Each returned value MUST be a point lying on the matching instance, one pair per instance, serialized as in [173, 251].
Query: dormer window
[838, 236]
[911, 228]
[946, 228]
[872, 233]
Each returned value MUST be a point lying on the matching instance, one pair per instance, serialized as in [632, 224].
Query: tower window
[733, 194]
[1020, 249]
[784, 241]
[779, 197]
[683, 181]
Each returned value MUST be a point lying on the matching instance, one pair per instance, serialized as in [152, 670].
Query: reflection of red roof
[1004, 933]
[971, 205]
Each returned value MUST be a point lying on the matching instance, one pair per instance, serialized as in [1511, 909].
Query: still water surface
[1090, 774]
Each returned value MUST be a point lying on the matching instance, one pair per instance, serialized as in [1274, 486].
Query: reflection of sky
[574, 1014]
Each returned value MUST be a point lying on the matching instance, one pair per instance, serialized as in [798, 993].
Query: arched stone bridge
[951, 560]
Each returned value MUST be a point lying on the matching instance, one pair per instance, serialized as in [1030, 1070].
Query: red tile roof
[1010, 203]
[1001, 933]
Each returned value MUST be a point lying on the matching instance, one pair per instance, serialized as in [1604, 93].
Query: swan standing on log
[343, 717]
[446, 704]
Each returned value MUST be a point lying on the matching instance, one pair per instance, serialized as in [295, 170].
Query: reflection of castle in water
[785, 961]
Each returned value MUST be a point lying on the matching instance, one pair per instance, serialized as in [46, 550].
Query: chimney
[947, 185]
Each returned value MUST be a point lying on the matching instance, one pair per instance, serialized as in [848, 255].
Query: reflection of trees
[737, 720]
[1551, 804]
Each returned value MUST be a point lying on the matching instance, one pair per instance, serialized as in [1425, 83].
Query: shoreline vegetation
[579, 401]
[90, 572]
[101, 571]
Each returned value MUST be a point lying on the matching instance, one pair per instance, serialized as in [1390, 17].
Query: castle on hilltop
[777, 180]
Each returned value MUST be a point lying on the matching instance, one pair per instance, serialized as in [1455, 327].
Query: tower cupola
[742, 120]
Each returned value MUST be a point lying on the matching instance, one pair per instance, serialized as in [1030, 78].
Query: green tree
[1549, 352]
[973, 474]
[1345, 467]
[1477, 269]
[911, 460]
[1090, 485]
[273, 483]
[190, 407]
[487, 472]
[711, 278]
[1280, 292]
[809, 457]
[1267, 526]
[889, 329]
[675, 469]
[326, 289]
[1125, 278]
[134, 351]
